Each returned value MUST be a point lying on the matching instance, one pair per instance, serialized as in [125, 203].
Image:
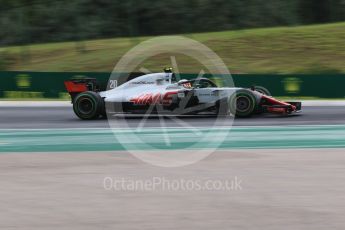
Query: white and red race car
[161, 93]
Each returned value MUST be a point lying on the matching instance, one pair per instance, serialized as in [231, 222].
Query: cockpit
[197, 83]
[194, 83]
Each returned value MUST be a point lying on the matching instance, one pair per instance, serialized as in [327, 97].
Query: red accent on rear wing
[76, 87]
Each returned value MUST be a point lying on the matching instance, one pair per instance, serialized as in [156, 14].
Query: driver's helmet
[168, 70]
[185, 83]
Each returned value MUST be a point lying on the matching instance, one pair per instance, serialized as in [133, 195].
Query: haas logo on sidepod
[154, 99]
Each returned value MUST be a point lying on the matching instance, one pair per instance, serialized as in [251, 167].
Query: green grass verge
[301, 49]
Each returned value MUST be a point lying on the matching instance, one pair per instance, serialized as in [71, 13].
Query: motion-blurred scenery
[251, 36]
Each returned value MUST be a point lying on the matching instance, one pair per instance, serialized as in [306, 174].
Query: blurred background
[251, 36]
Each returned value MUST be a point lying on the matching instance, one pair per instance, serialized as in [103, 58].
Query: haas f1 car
[161, 93]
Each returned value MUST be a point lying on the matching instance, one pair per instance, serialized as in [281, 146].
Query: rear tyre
[88, 105]
[263, 90]
[103, 111]
[242, 103]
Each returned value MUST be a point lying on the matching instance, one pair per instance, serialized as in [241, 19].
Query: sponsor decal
[143, 83]
[154, 99]
[209, 94]
[277, 110]
[187, 85]
[181, 95]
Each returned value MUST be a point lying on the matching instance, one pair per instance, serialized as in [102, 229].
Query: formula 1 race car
[161, 93]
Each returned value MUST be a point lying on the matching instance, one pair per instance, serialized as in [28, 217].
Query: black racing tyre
[103, 111]
[88, 105]
[242, 103]
[263, 90]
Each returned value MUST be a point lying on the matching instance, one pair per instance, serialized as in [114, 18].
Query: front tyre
[88, 105]
[242, 103]
[263, 90]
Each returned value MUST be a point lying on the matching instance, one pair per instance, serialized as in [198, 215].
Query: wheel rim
[85, 106]
[242, 104]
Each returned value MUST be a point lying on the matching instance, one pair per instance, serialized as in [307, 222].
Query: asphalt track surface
[63, 117]
[279, 189]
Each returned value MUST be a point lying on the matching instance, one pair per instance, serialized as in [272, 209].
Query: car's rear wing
[76, 86]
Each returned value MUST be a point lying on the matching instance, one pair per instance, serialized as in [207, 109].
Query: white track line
[35, 104]
[323, 103]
